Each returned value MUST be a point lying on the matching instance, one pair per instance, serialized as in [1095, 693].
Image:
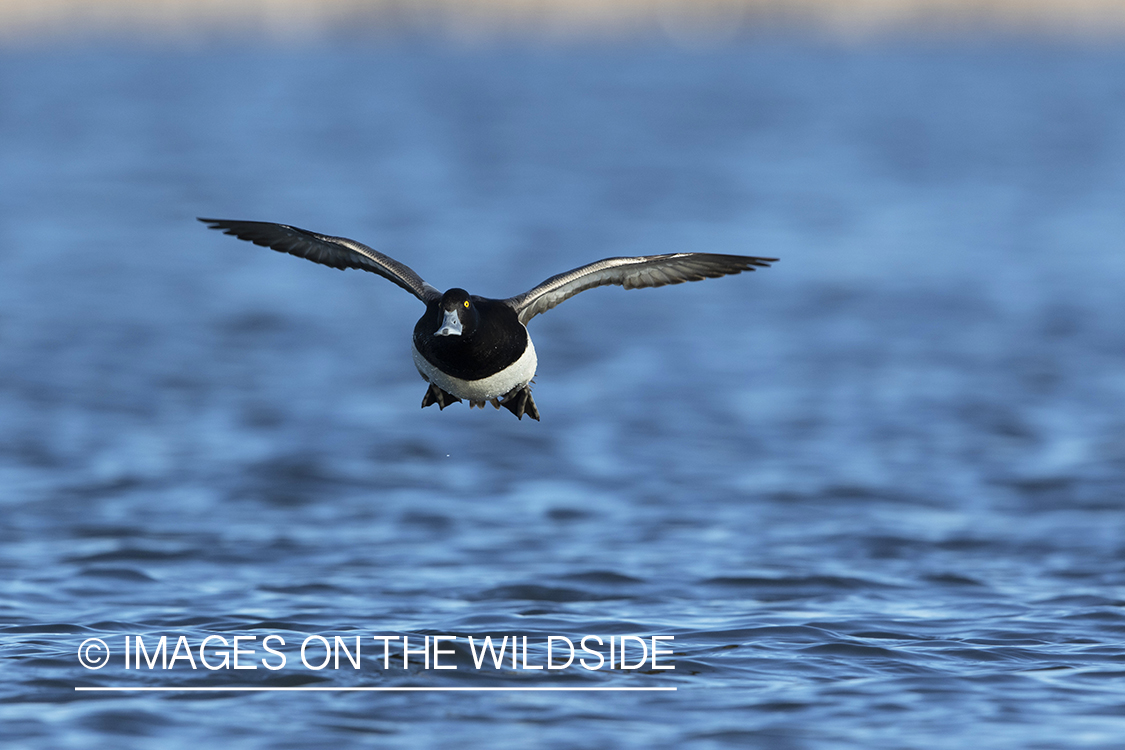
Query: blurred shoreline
[690, 21]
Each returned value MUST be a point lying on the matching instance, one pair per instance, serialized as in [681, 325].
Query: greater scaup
[476, 348]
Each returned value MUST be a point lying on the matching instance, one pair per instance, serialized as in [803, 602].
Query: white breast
[515, 375]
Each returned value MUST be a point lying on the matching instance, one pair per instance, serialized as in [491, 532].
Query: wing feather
[335, 252]
[631, 273]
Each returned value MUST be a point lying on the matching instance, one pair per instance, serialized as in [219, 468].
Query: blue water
[875, 492]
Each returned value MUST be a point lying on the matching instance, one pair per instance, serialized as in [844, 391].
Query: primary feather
[336, 252]
[631, 273]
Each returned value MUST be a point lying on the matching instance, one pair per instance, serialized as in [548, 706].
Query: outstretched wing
[631, 273]
[337, 252]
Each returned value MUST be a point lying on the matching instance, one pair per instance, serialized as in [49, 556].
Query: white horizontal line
[370, 689]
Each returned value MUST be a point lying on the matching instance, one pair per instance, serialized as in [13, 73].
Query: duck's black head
[459, 315]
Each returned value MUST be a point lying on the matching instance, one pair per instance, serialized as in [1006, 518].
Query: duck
[477, 349]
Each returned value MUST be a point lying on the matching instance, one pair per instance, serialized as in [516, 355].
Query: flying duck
[476, 348]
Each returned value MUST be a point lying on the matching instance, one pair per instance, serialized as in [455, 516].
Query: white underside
[515, 375]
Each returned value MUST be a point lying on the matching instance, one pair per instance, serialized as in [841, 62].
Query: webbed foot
[437, 396]
[520, 402]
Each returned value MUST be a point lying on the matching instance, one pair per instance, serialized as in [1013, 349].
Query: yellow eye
[466, 303]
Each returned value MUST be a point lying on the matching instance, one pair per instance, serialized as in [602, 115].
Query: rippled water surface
[875, 492]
